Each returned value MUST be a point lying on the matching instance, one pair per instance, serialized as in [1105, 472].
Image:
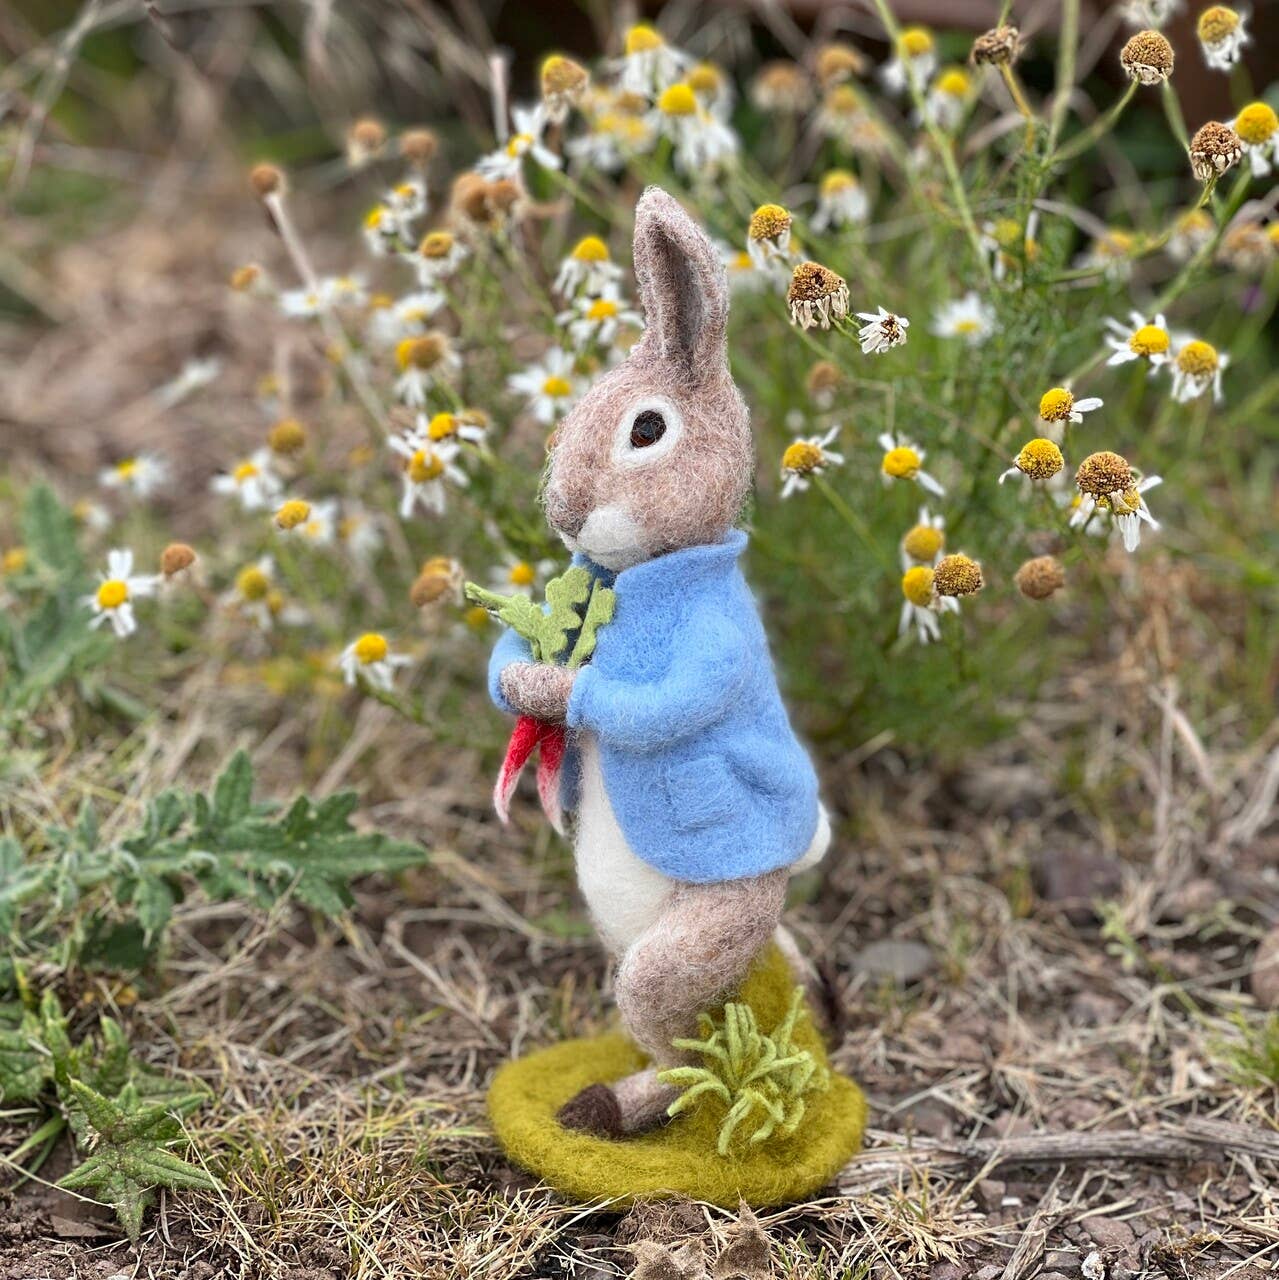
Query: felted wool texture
[692, 494]
[697, 953]
[678, 1159]
[543, 690]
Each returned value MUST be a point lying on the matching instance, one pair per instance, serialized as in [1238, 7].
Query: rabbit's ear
[682, 285]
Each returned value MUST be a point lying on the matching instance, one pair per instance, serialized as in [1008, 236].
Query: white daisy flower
[915, 53]
[768, 236]
[1111, 253]
[468, 426]
[328, 293]
[1130, 512]
[438, 256]
[1221, 36]
[549, 385]
[1198, 368]
[91, 515]
[520, 577]
[615, 137]
[999, 239]
[1148, 13]
[255, 596]
[1193, 230]
[1139, 339]
[423, 362]
[804, 458]
[141, 475]
[745, 275]
[587, 270]
[1106, 481]
[359, 531]
[904, 460]
[370, 658]
[428, 469]
[947, 99]
[597, 320]
[841, 202]
[969, 318]
[1038, 459]
[1258, 128]
[381, 232]
[925, 541]
[525, 140]
[392, 320]
[921, 604]
[649, 64]
[117, 589]
[701, 141]
[195, 375]
[407, 202]
[321, 525]
[882, 331]
[1058, 405]
[253, 481]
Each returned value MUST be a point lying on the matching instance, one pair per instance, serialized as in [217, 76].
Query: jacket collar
[677, 571]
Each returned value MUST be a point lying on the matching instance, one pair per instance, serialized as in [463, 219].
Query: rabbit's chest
[624, 893]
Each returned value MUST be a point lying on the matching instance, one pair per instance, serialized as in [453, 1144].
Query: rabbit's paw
[538, 689]
[594, 1110]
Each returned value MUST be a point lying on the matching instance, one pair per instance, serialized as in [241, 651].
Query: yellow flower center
[1056, 405]
[602, 309]
[590, 249]
[923, 542]
[438, 244]
[917, 585]
[425, 465]
[1149, 340]
[253, 584]
[954, 83]
[113, 593]
[293, 513]
[15, 560]
[1217, 23]
[837, 181]
[1040, 459]
[476, 617]
[842, 100]
[373, 219]
[741, 261]
[1125, 503]
[561, 75]
[420, 353]
[371, 647]
[768, 222]
[914, 42]
[126, 468]
[287, 436]
[275, 602]
[521, 574]
[677, 100]
[704, 78]
[902, 463]
[442, 426]
[245, 471]
[1257, 122]
[802, 456]
[519, 144]
[556, 387]
[967, 325]
[1199, 359]
[957, 575]
[642, 38]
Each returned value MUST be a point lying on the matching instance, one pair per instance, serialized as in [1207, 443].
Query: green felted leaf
[599, 612]
[565, 598]
[576, 606]
[517, 612]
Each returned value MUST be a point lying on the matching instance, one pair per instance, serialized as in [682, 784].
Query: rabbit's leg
[695, 954]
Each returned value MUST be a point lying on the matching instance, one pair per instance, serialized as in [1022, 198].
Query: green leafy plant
[577, 605]
[762, 1079]
[1252, 1058]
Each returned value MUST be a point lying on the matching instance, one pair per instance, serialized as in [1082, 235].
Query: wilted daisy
[438, 256]
[291, 514]
[564, 84]
[1105, 480]
[506, 162]
[1192, 231]
[515, 576]
[921, 604]
[253, 481]
[802, 459]
[428, 469]
[469, 426]
[1258, 130]
[117, 589]
[701, 140]
[1038, 459]
[744, 274]
[1139, 339]
[597, 320]
[1008, 245]
[253, 593]
[614, 138]
[141, 475]
[1111, 253]
[882, 331]
[423, 362]
[816, 296]
[370, 658]
[713, 88]
[1041, 577]
[321, 524]
[1147, 58]
[782, 86]
[841, 201]
[1247, 248]
[915, 54]
[997, 47]
[588, 269]
[1198, 368]
[968, 318]
[649, 64]
[822, 382]
[836, 61]
[381, 231]
[550, 385]
[358, 531]
[1221, 36]
[1148, 13]
[324, 295]
[1059, 405]
[947, 98]
[768, 235]
[91, 515]
[957, 574]
[924, 541]
[365, 140]
[1215, 148]
[439, 581]
[904, 461]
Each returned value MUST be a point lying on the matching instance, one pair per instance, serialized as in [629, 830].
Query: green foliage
[107, 904]
[763, 1080]
[576, 605]
[1253, 1057]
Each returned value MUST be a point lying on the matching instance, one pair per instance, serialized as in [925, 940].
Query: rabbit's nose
[566, 511]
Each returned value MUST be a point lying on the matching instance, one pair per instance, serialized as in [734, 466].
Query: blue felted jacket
[703, 771]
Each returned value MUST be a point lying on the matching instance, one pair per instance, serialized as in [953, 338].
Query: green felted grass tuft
[681, 1158]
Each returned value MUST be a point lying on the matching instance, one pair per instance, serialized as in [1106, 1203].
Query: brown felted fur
[596, 1110]
[538, 689]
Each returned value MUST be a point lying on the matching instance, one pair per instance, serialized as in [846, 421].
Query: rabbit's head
[657, 455]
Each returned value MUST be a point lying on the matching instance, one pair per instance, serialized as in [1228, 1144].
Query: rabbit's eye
[648, 428]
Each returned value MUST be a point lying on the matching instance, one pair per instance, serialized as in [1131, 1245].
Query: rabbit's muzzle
[566, 509]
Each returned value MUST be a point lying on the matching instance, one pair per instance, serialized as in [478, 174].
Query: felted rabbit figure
[694, 801]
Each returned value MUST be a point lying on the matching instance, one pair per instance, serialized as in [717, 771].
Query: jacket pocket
[702, 793]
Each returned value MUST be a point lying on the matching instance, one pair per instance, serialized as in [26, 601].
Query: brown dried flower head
[418, 146]
[1104, 473]
[440, 578]
[1213, 149]
[782, 86]
[1147, 57]
[1040, 578]
[563, 83]
[266, 180]
[957, 575]
[836, 62]
[365, 140]
[176, 557]
[823, 379]
[998, 47]
[287, 437]
[816, 295]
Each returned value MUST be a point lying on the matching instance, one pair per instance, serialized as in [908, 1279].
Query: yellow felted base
[680, 1157]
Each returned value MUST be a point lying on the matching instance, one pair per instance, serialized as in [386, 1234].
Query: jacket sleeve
[707, 673]
[512, 647]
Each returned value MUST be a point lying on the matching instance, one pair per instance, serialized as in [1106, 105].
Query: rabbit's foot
[630, 1106]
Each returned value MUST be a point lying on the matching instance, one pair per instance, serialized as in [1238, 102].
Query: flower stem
[1099, 127]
